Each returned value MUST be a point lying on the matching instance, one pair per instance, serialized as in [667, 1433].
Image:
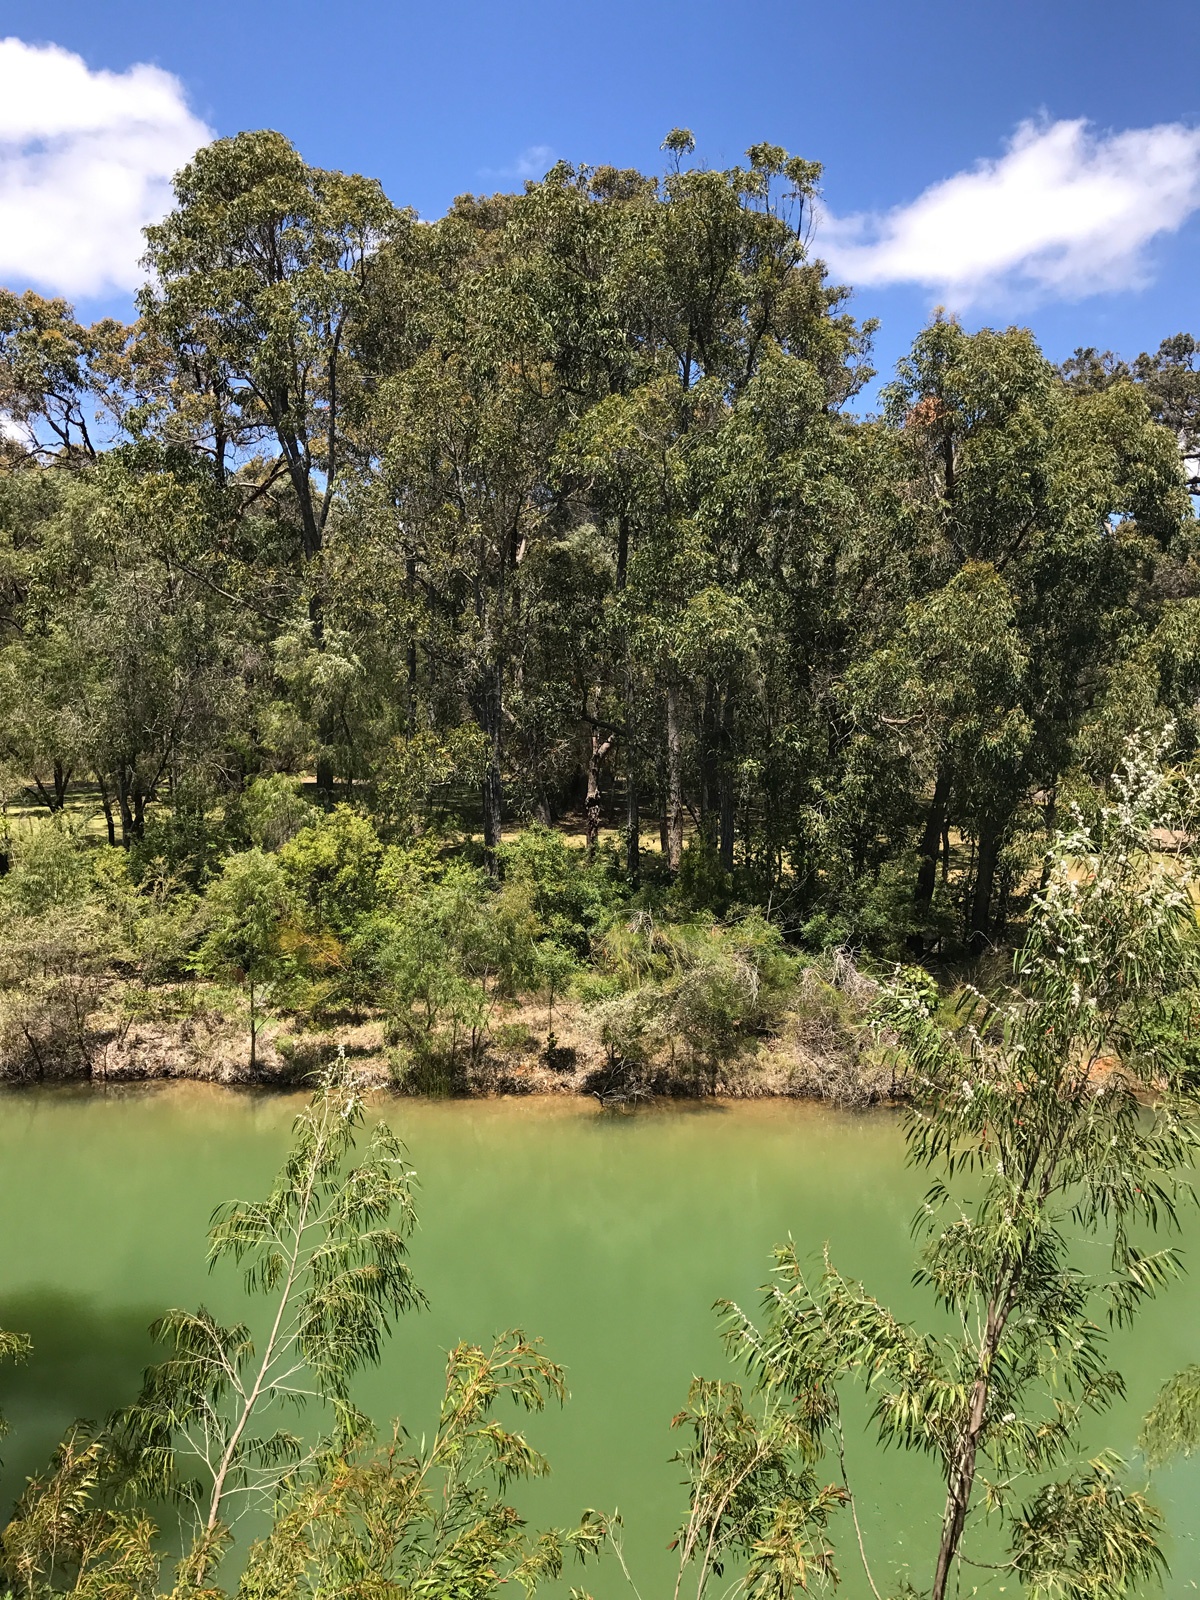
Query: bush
[445, 957]
[49, 868]
[570, 895]
[275, 811]
[55, 974]
[828, 1028]
[710, 989]
[184, 846]
[333, 865]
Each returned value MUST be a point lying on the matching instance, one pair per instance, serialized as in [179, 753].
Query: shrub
[713, 988]
[570, 895]
[333, 866]
[275, 811]
[247, 909]
[446, 956]
[49, 869]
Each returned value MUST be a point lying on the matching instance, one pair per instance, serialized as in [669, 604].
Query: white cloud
[86, 160]
[534, 161]
[1062, 213]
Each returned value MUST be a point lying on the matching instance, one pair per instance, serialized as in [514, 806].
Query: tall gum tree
[258, 275]
[1064, 495]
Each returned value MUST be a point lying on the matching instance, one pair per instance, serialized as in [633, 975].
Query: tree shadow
[87, 1359]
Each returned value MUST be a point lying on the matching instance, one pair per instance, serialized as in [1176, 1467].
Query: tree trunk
[633, 829]
[62, 777]
[489, 712]
[106, 803]
[931, 836]
[593, 804]
[633, 820]
[253, 1033]
[725, 784]
[674, 782]
[128, 833]
[979, 922]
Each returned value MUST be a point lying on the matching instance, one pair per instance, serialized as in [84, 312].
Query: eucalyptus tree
[63, 386]
[429, 1519]
[1170, 382]
[1068, 1109]
[259, 273]
[1068, 493]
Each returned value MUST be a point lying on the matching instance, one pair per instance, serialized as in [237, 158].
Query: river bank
[821, 1051]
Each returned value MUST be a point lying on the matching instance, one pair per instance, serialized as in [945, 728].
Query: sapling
[326, 1251]
[1064, 1111]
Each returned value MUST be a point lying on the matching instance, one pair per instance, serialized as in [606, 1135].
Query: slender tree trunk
[633, 828]
[633, 820]
[931, 836]
[490, 710]
[674, 782]
[253, 1033]
[62, 777]
[593, 804]
[979, 923]
[725, 784]
[128, 833]
[106, 803]
[961, 1485]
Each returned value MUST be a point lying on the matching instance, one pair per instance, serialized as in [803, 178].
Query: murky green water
[609, 1236]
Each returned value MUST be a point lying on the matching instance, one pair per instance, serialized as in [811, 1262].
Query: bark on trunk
[674, 782]
[979, 924]
[725, 781]
[593, 805]
[931, 837]
[132, 808]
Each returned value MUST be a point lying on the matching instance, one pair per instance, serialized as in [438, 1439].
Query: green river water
[610, 1236]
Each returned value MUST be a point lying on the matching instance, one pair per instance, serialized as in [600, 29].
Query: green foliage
[327, 1250]
[332, 864]
[208, 1434]
[447, 956]
[1172, 1426]
[1034, 1120]
[246, 911]
[49, 870]
[275, 811]
[705, 988]
[431, 1521]
[570, 894]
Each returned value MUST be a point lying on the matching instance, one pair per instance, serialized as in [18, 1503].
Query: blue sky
[440, 98]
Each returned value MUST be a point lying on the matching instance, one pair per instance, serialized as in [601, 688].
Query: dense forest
[486, 585]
